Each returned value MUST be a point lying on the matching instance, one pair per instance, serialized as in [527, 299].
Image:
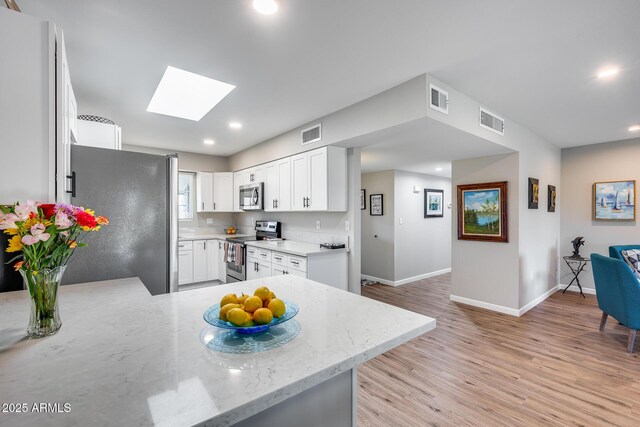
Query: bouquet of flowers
[45, 236]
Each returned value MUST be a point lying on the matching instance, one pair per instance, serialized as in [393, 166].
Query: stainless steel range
[236, 250]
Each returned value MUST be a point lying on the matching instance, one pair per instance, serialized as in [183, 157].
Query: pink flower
[37, 235]
[63, 221]
[8, 221]
[23, 210]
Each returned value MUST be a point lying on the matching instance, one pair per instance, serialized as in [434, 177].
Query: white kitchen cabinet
[222, 263]
[204, 192]
[257, 269]
[277, 186]
[223, 192]
[238, 181]
[98, 134]
[319, 180]
[212, 254]
[185, 263]
[199, 260]
[254, 175]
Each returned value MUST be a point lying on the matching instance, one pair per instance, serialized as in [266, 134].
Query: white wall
[26, 109]
[581, 167]
[193, 162]
[378, 232]
[422, 245]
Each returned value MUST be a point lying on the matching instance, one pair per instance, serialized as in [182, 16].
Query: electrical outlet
[347, 226]
[401, 221]
[318, 225]
[209, 221]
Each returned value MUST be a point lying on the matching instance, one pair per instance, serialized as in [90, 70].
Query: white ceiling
[421, 146]
[533, 61]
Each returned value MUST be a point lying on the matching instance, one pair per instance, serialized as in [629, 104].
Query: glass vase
[43, 288]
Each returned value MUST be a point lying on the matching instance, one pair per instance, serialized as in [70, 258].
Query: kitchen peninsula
[124, 357]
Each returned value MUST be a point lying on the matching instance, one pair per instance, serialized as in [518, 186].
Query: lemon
[237, 316]
[229, 299]
[262, 316]
[242, 298]
[272, 295]
[252, 304]
[262, 292]
[248, 324]
[277, 307]
[224, 310]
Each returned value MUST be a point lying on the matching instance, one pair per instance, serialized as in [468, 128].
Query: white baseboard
[407, 280]
[537, 301]
[574, 288]
[485, 305]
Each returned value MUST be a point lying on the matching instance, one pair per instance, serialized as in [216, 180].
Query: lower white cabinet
[200, 261]
[258, 269]
[185, 263]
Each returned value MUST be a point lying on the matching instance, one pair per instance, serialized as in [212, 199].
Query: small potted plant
[45, 236]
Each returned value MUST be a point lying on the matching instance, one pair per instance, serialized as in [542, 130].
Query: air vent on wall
[438, 99]
[312, 134]
[490, 121]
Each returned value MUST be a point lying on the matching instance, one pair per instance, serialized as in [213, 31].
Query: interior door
[299, 181]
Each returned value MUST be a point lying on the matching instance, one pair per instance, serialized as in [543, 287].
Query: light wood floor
[548, 367]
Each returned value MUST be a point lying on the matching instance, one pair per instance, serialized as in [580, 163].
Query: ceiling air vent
[438, 99]
[490, 121]
[312, 134]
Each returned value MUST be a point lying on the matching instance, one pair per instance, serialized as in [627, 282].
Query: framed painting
[551, 198]
[482, 212]
[433, 203]
[534, 193]
[363, 199]
[614, 201]
[375, 205]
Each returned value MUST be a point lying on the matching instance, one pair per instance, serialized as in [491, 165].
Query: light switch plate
[209, 220]
[347, 225]
[401, 221]
[318, 225]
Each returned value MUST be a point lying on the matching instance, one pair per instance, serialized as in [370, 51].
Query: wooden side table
[576, 265]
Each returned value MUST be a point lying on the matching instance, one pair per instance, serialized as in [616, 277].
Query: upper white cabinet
[277, 186]
[319, 180]
[254, 175]
[204, 192]
[223, 192]
[238, 181]
[99, 134]
[214, 192]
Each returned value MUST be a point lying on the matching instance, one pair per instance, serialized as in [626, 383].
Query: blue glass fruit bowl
[212, 314]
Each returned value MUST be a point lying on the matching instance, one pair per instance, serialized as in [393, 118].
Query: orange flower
[102, 220]
[73, 244]
[18, 265]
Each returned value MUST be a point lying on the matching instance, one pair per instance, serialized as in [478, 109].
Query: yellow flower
[15, 245]
[11, 231]
[90, 212]
[18, 265]
[73, 244]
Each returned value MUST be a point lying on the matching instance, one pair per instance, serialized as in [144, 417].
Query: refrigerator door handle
[72, 177]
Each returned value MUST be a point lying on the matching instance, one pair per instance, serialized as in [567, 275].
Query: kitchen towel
[239, 254]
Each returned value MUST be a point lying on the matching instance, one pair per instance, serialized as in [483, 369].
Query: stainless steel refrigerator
[138, 193]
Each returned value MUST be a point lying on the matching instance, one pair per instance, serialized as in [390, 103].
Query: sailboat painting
[614, 201]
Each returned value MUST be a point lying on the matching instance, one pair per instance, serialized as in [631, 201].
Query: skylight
[187, 95]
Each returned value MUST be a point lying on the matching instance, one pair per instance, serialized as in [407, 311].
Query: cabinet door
[213, 254]
[238, 180]
[318, 196]
[299, 181]
[223, 192]
[264, 269]
[257, 175]
[297, 273]
[271, 186]
[277, 270]
[222, 262]
[252, 269]
[283, 201]
[204, 192]
[185, 267]
[199, 261]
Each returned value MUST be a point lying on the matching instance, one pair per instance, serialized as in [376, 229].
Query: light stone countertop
[186, 236]
[295, 248]
[123, 357]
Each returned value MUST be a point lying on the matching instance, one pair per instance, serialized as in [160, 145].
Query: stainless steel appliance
[236, 260]
[251, 196]
[138, 193]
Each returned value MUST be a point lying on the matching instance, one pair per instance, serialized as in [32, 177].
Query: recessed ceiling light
[608, 72]
[438, 169]
[235, 125]
[634, 128]
[187, 95]
[209, 141]
[265, 7]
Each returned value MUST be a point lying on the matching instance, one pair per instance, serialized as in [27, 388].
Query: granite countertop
[125, 357]
[295, 248]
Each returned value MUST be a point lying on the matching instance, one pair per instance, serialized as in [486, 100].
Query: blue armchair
[614, 251]
[618, 293]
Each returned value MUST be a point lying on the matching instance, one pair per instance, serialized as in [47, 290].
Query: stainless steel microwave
[251, 196]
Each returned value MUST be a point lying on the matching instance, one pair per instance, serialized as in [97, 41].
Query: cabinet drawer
[252, 252]
[185, 246]
[264, 255]
[297, 263]
[279, 258]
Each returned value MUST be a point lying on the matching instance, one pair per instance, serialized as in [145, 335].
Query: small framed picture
[614, 201]
[534, 193]
[551, 198]
[363, 199]
[433, 203]
[375, 205]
